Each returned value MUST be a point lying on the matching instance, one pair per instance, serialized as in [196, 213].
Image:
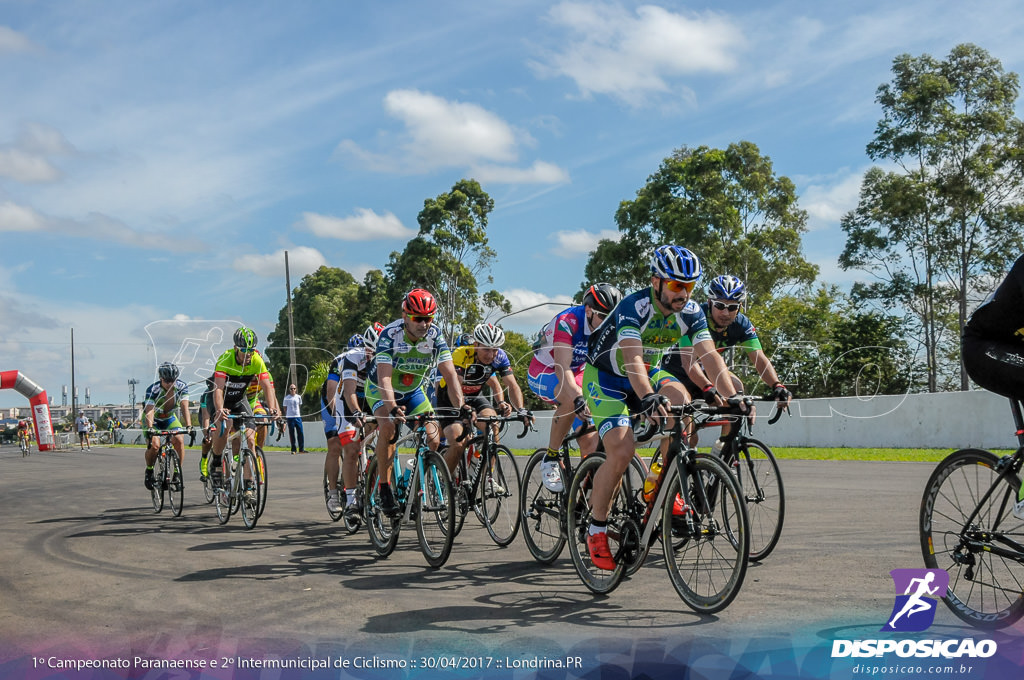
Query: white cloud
[12, 41]
[40, 138]
[15, 217]
[581, 241]
[301, 261]
[531, 310]
[539, 173]
[365, 225]
[632, 56]
[827, 199]
[26, 167]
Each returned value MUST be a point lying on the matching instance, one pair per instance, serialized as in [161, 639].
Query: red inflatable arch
[37, 398]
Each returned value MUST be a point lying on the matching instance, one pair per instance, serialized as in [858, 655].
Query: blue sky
[156, 159]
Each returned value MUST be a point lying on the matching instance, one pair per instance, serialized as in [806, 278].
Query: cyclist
[406, 351]
[556, 372]
[162, 398]
[993, 345]
[342, 413]
[23, 435]
[206, 417]
[237, 371]
[482, 363]
[623, 371]
[729, 327]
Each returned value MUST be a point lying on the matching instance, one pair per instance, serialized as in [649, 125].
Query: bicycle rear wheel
[707, 545]
[580, 513]
[252, 494]
[382, 529]
[541, 511]
[973, 535]
[500, 492]
[209, 493]
[175, 483]
[157, 493]
[760, 482]
[435, 516]
[264, 475]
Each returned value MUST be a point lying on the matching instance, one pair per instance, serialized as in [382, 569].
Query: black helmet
[168, 371]
[245, 339]
[602, 297]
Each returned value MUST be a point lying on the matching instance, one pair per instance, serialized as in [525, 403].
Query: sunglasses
[244, 350]
[600, 316]
[679, 286]
[722, 306]
[421, 319]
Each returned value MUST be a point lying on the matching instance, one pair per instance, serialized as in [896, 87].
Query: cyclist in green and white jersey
[158, 412]
[407, 350]
[623, 371]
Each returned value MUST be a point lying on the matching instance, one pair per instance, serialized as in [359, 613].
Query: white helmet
[489, 335]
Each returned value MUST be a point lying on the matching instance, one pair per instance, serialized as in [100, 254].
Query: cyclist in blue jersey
[163, 398]
[624, 373]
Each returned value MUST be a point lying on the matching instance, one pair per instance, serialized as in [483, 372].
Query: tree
[727, 206]
[955, 209]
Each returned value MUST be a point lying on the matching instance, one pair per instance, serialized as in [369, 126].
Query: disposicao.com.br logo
[918, 592]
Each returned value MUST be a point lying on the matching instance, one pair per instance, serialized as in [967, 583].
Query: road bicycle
[242, 485]
[424, 496]
[695, 507]
[366, 451]
[167, 477]
[757, 472]
[968, 528]
[26, 448]
[544, 512]
[487, 481]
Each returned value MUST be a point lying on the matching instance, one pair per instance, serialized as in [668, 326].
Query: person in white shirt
[293, 414]
[82, 424]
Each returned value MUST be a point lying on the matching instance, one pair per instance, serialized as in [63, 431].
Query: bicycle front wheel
[500, 494]
[435, 516]
[541, 511]
[760, 481]
[382, 529]
[175, 483]
[967, 528]
[263, 470]
[252, 494]
[158, 483]
[580, 512]
[223, 499]
[704, 536]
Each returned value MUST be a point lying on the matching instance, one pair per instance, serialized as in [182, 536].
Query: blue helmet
[675, 263]
[727, 287]
[356, 341]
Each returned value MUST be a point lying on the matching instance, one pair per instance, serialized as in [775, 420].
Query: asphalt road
[88, 568]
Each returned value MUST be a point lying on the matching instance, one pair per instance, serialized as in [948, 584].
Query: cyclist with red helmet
[407, 350]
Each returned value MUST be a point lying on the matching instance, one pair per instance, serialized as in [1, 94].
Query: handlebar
[523, 418]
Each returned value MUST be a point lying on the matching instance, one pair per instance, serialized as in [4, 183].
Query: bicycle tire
[224, 502]
[157, 492]
[175, 484]
[765, 497]
[984, 587]
[706, 557]
[460, 488]
[435, 511]
[500, 492]
[382, 529]
[249, 506]
[209, 492]
[264, 474]
[579, 513]
[542, 511]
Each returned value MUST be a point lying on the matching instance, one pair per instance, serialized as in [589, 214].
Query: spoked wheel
[224, 501]
[264, 476]
[175, 484]
[971, 533]
[580, 513]
[335, 516]
[157, 492]
[541, 511]
[252, 493]
[760, 482]
[382, 529]
[500, 491]
[705, 537]
[435, 516]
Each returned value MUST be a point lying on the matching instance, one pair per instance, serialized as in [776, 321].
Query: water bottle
[407, 473]
[651, 483]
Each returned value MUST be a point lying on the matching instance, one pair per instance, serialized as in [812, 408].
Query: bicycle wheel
[264, 475]
[967, 529]
[252, 495]
[157, 492]
[435, 516]
[707, 546]
[542, 512]
[760, 482]
[461, 487]
[501, 490]
[224, 495]
[175, 483]
[579, 514]
[382, 529]
[335, 516]
[209, 493]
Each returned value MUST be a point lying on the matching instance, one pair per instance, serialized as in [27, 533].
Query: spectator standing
[82, 425]
[293, 414]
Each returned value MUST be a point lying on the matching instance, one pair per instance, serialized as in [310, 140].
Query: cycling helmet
[463, 339]
[356, 341]
[727, 287]
[489, 335]
[676, 263]
[602, 296]
[168, 371]
[372, 333]
[245, 339]
[419, 302]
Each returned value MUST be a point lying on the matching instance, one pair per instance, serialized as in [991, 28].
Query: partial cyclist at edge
[623, 373]
[993, 345]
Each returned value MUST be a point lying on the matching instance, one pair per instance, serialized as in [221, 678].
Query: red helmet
[419, 302]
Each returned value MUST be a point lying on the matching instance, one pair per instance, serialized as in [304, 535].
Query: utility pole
[74, 392]
[291, 327]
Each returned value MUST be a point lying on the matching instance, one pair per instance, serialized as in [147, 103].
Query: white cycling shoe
[550, 476]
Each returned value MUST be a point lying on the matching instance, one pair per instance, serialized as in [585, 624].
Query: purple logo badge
[917, 595]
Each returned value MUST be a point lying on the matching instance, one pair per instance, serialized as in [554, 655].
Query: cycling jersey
[993, 338]
[569, 327]
[410, 362]
[355, 365]
[241, 383]
[740, 332]
[473, 375]
[1000, 317]
[165, 400]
